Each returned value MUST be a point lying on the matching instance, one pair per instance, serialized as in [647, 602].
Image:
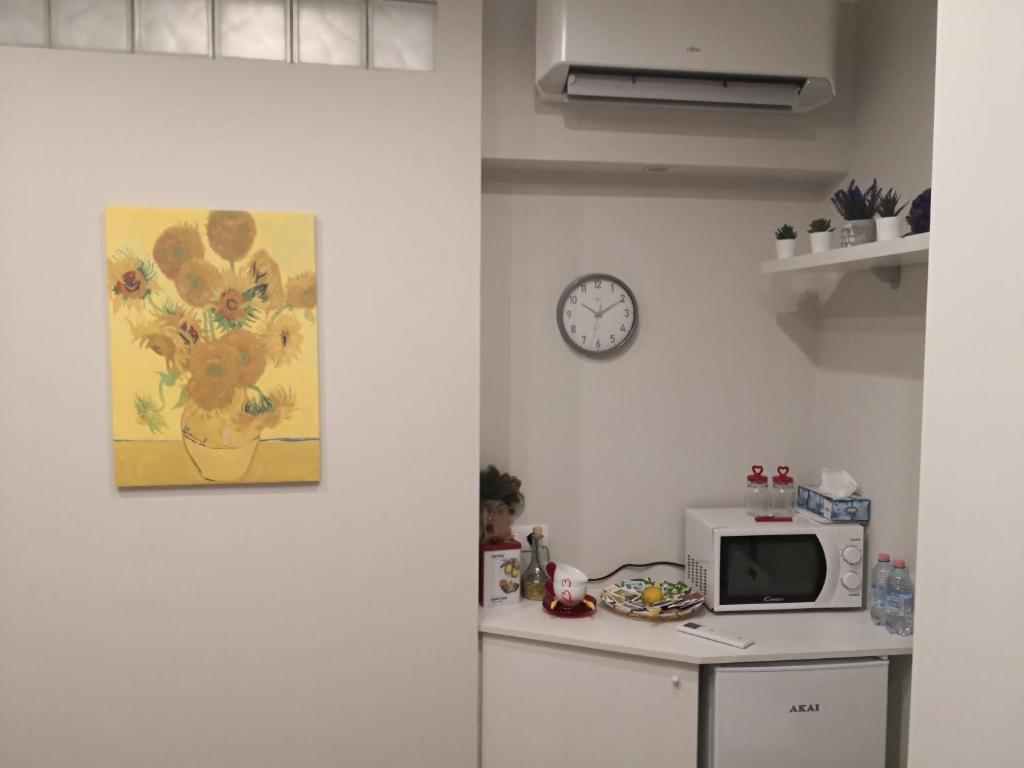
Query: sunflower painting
[213, 347]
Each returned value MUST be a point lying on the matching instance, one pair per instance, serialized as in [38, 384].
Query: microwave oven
[744, 565]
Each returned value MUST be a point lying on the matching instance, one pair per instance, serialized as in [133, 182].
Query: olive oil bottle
[535, 575]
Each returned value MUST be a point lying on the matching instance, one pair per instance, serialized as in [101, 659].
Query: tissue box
[854, 509]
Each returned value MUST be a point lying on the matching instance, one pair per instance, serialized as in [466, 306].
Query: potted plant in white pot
[821, 235]
[858, 211]
[888, 210]
[785, 241]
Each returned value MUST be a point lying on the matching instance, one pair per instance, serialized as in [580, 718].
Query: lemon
[652, 595]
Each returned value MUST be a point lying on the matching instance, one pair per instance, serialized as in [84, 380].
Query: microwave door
[778, 570]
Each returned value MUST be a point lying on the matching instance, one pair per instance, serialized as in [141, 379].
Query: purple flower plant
[854, 205]
[920, 216]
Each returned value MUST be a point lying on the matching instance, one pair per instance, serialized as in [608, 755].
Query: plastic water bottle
[879, 588]
[899, 601]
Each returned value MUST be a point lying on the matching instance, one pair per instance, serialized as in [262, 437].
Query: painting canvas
[213, 346]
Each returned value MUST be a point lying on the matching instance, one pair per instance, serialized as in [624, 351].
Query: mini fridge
[806, 713]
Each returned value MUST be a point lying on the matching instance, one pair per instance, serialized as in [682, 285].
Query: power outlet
[520, 532]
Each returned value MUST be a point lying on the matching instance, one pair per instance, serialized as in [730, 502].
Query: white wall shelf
[885, 259]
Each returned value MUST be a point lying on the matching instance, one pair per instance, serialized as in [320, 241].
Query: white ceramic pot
[785, 248]
[888, 227]
[857, 232]
[821, 242]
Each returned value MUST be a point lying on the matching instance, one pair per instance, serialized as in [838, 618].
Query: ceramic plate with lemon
[652, 600]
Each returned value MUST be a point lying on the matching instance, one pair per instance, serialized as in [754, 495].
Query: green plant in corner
[785, 232]
[889, 204]
[821, 225]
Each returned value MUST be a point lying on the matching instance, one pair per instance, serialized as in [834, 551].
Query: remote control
[701, 630]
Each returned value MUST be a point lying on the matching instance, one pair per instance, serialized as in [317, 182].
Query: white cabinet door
[550, 705]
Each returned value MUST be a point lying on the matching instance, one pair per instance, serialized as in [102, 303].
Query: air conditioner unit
[751, 54]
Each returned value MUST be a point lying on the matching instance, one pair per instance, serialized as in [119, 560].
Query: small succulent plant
[854, 205]
[821, 225]
[889, 204]
[785, 232]
[920, 216]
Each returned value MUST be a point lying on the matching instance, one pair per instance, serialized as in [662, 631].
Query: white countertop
[777, 636]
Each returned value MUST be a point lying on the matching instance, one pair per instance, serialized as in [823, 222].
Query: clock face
[597, 314]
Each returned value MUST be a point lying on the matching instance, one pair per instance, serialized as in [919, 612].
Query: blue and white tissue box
[854, 509]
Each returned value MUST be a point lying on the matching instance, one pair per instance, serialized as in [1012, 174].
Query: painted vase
[221, 451]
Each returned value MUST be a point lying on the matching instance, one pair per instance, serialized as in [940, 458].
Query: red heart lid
[783, 477]
[757, 477]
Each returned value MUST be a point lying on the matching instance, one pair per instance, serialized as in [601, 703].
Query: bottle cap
[757, 476]
[883, 557]
[899, 564]
[783, 477]
[539, 531]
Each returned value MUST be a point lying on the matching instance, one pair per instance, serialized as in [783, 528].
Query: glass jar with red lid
[757, 492]
[783, 493]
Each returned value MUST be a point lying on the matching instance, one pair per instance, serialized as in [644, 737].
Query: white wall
[218, 627]
[968, 677]
[871, 338]
[611, 453]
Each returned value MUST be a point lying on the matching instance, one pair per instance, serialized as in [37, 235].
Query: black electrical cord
[638, 565]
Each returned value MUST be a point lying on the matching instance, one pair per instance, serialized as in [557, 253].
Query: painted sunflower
[252, 358]
[214, 372]
[198, 282]
[283, 339]
[175, 246]
[185, 321]
[301, 291]
[266, 411]
[266, 278]
[131, 280]
[231, 233]
[284, 407]
[235, 306]
[162, 338]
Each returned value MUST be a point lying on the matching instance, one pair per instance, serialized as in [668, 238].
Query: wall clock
[597, 314]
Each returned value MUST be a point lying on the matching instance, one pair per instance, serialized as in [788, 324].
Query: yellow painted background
[290, 239]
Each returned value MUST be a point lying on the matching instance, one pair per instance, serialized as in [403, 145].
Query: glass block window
[252, 29]
[374, 34]
[173, 26]
[24, 22]
[98, 24]
[402, 34]
[331, 32]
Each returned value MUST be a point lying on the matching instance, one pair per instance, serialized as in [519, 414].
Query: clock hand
[610, 306]
[591, 311]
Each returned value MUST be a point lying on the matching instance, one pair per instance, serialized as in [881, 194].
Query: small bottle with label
[879, 586]
[535, 576]
[899, 601]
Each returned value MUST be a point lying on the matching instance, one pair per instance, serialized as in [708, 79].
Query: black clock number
[597, 283]
[572, 329]
[627, 313]
[572, 299]
[622, 327]
[584, 339]
[597, 344]
[613, 338]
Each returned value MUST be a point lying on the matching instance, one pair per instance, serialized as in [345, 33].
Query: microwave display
[771, 569]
